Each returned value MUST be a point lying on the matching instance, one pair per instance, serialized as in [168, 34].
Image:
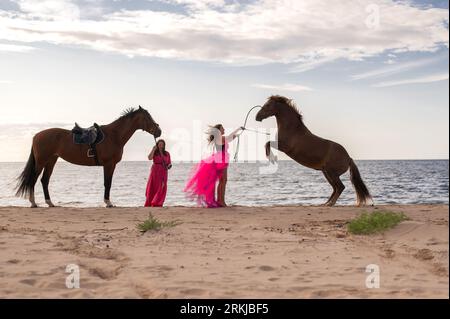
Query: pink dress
[157, 182]
[201, 187]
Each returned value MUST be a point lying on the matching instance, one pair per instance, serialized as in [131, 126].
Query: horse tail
[362, 192]
[27, 179]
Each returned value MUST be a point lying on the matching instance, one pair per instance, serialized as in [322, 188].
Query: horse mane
[288, 102]
[130, 112]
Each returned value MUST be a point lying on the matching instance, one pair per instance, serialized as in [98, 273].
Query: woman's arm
[169, 164]
[152, 153]
[235, 134]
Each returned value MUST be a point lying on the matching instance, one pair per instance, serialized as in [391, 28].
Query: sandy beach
[238, 252]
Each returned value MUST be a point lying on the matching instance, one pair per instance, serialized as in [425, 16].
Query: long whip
[245, 128]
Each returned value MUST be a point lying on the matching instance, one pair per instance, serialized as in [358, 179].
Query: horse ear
[140, 107]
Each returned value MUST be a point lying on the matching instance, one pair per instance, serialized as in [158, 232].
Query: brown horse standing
[50, 144]
[310, 150]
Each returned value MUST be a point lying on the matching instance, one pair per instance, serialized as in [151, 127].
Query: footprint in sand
[433, 242]
[105, 273]
[424, 254]
[296, 289]
[389, 253]
[266, 268]
[30, 282]
[440, 270]
[193, 291]
[164, 268]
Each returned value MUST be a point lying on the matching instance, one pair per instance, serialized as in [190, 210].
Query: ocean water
[390, 182]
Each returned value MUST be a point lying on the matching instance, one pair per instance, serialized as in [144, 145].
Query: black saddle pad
[90, 136]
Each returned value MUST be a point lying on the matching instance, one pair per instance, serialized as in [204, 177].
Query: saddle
[88, 136]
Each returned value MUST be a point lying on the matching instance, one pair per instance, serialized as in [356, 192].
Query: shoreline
[230, 206]
[237, 252]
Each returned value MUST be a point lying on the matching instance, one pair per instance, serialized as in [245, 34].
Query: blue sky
[371, 75]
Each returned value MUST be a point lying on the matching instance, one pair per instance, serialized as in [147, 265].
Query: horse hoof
[34, 206]
[49, 203]
[108, 203]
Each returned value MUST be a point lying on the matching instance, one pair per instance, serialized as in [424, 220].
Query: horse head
[269, 108]
[275, 105]
[147, 123]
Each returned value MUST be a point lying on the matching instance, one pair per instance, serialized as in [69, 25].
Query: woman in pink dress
[157, 182]
[202, 184]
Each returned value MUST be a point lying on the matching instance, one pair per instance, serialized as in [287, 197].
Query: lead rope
[245, 128]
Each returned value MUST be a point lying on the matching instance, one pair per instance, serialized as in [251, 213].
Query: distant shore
[237, 252]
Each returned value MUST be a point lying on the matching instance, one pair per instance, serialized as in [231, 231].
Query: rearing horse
[310, 150]
[49, 145]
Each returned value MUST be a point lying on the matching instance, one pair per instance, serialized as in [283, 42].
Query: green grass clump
[153, 223]
[375, 222]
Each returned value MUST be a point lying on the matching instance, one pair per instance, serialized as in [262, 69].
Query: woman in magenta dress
[202, 184]
[157, 182]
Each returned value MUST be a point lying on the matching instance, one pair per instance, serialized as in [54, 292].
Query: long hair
[164, 147]
[212, 133]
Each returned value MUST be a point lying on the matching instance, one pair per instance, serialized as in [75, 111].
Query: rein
[246, 129]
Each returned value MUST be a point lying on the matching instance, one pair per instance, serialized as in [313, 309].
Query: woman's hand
[235, 134]
[152, 153]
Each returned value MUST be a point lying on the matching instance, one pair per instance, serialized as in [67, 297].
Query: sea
[249, 184]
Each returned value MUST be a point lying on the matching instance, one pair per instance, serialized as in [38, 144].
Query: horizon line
[256, 161]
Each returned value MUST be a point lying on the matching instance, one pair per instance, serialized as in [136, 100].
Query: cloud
[305, 34]
[424, 79]
[198, 4]
[283, 87]
[27, 130]
[15, 48]
[50, 9]
[313, 61]
[396, 68]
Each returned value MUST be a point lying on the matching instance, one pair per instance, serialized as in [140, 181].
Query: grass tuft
[153, 223]
[375, 222]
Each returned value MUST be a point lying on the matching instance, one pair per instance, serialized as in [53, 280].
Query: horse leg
[331, 181]
[45, 180]
[108, 171]
[271, 144]
[32, 200]
[339, 188]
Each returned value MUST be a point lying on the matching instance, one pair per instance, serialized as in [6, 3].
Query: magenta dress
[157, 182]
[201, 186]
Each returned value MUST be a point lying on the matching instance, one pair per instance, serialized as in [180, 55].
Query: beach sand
[238, 252]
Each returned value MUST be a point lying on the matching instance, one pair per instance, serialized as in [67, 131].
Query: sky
[371, 75]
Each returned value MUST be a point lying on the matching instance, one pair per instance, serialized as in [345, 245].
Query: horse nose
[158, 132]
